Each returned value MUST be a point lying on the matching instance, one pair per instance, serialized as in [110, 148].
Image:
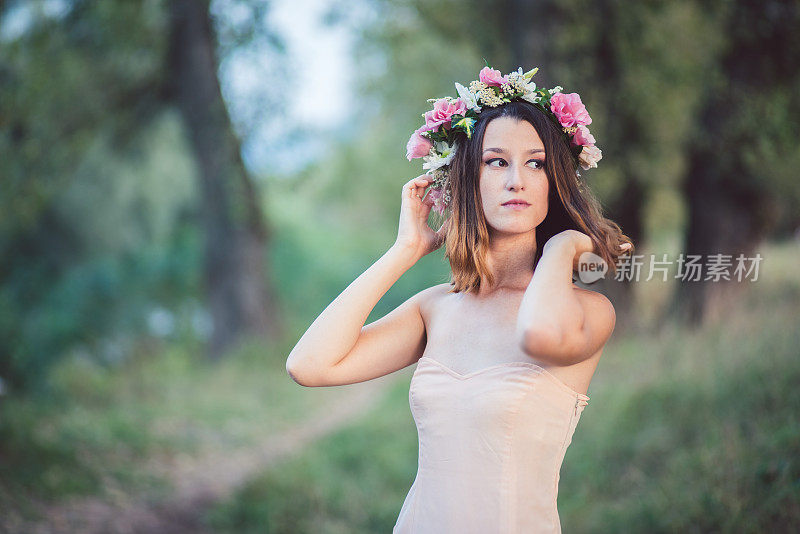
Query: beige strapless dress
[491, 444]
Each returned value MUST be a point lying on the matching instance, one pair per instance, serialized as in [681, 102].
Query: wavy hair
[571, 205]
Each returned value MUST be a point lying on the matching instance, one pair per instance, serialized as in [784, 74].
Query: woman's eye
[539, 162]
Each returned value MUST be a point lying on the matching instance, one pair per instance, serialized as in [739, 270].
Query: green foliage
[351, 481]
[121, 427]
[67, 81]
[93, 192]
[110, 246]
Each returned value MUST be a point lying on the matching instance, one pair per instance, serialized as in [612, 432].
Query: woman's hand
[579, 240]
[414, 235]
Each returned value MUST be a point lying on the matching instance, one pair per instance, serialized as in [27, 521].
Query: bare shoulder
[427, 298]
[597, 296]
[596, 304]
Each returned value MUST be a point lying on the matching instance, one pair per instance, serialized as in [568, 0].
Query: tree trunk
[626, 211]
[731, 206]
[725, 217]
[240, 299]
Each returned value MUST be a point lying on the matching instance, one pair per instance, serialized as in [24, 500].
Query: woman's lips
[516, 205]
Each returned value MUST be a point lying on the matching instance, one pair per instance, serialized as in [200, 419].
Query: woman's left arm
[558, 323]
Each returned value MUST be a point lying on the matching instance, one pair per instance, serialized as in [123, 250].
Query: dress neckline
[553, 378]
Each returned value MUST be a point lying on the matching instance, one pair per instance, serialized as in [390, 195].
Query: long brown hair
[571, 205]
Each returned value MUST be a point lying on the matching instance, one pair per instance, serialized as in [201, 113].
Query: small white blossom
[489, 97]
[521, 82]
[475, 86]
[530, 95]
[528, 87]
[468, 97]
[441, 155]
[532, 98]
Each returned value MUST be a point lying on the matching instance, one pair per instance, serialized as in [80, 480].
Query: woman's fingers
[427, 206]
[422, 178]
[416, 187]
[415, 183]
[421, 185]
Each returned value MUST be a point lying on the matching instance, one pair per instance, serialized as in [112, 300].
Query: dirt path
[201, 481]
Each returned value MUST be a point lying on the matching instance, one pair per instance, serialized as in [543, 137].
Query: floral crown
[436, 141]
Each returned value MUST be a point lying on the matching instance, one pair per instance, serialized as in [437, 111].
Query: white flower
[441, 155]
[528, 87]
[522, 84]
[555, 89]
[532, 97]
[442, 147]
[589, 157]
[468, 97]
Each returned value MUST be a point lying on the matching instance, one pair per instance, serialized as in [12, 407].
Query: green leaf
[466, 124]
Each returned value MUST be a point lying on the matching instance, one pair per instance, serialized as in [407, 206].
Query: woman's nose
[514, 177]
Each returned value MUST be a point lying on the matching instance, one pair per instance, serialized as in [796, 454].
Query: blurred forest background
[154, 277]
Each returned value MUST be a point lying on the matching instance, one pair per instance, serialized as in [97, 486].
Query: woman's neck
[510, 260]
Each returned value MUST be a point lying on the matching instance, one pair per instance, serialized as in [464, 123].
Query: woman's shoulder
[429, 296]
[590, 292]
[595, 303]
[434, 293]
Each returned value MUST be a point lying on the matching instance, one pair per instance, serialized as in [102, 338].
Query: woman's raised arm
[337, 348]
[557, 322]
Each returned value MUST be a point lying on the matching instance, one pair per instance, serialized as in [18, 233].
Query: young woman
[506, 350]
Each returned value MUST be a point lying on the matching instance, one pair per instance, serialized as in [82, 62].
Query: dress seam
[412, 522]
[562, 450]
[415, 503]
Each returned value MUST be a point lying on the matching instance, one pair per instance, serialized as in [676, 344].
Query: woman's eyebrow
[501, 151]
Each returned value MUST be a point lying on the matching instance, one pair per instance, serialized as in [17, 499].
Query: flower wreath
[436, 140]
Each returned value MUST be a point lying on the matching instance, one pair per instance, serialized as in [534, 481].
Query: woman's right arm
[337, 348]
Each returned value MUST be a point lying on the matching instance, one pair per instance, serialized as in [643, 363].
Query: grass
[686, 431]
[351, 481]
[112, 431]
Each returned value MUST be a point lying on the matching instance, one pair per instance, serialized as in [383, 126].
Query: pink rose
[569, 109]
[582, 136]
[491, 76]
[418, 145]
[437, 197]
[441, 113]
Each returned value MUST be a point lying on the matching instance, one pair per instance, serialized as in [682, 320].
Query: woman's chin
[512, 228]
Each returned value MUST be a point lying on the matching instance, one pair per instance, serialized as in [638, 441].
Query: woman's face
[512, 168]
